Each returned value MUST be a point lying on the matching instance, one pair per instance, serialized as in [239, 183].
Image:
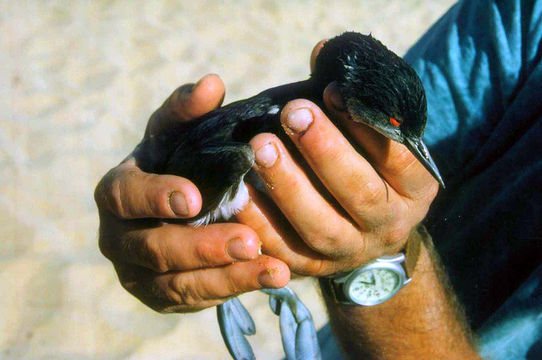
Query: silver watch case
[391, 262]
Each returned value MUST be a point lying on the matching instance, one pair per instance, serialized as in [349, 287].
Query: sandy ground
[78, 80]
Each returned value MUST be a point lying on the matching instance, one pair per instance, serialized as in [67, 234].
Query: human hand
[355, 209]
[172, 267]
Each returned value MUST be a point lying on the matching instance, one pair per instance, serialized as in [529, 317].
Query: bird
[378, 88]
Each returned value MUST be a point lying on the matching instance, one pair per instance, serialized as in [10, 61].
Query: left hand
[354, 210]
[173, 267]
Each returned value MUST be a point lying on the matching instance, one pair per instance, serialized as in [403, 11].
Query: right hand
[172, 267]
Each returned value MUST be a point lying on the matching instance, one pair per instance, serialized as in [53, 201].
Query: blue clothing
[482, 71]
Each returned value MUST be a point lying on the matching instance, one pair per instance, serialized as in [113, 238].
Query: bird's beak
[418, 148]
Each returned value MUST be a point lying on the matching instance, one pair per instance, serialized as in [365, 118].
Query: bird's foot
[235, 322]
[297, 329]
[296, 326]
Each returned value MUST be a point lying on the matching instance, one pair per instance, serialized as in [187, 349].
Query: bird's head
[379, 89]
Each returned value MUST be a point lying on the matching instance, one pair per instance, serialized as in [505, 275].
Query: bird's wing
[238, 121]
[243, 119]
[217, 170]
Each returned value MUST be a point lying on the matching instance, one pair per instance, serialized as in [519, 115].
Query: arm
[344, 210]
[425, 314]
[423, 320]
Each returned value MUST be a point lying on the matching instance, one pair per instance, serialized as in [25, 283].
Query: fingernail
[299, 120]
[177, 203]
[266, 156]
[236, 249]
[188, 89]
[266, 278]
[199, 81]
[336, 100]
[185, 92]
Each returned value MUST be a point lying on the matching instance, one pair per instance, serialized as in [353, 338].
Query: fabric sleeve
[481, 68]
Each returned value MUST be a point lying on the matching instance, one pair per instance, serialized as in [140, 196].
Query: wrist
[425, 312]
[377, 281]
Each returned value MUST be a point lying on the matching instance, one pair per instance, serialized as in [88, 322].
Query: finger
[280, 240]
[194, 290]
[172, 247]
[346, 174]
[319, 224]
[188, 102]
[315, 52]
[213, 283]
[130, 193]
[391, 159]
[142, 283]
[207, 94]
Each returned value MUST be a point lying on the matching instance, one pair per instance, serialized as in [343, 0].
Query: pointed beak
[418, 148]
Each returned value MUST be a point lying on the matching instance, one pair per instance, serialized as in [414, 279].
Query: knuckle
[319, 240]
[206, 251]
[142, 290]
[326, 148]
[417, 209]
[185, 290]
[102, 191]
[145, 287]
[425, 195]
[315, 268]
[166, 309]
[328, 241]
[151, 252]
[358, 247]
[401, 160]
[172, 309]
[370, 197]
[396, 234]
[432, 190]
[118, 190]
[235, 288]
[116, 200]
[131, 287]
[104, 243]
[155, 202]
[372, 193]
[98, 193]
[361, 245]
[161, 306]
[115, 197]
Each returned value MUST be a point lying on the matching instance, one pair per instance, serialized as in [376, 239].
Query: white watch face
[374, 286]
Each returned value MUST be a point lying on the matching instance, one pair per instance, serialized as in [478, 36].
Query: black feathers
[375, 84]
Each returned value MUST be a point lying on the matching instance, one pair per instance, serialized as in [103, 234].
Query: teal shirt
[482, 71]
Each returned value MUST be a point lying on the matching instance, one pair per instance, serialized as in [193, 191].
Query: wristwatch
[377, 281]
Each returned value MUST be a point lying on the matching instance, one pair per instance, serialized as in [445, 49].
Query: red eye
[395, 122]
